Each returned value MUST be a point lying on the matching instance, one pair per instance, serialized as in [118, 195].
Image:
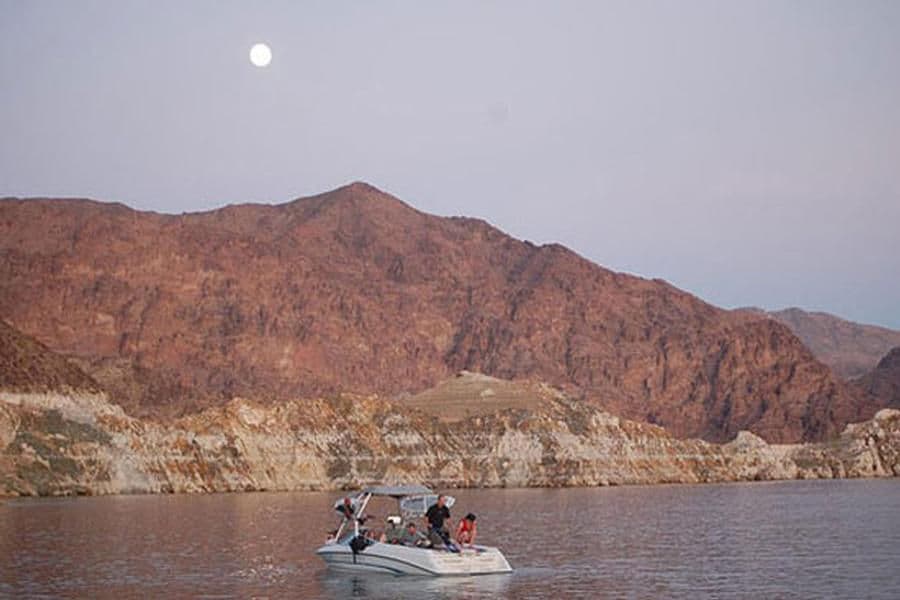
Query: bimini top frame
[414, 500]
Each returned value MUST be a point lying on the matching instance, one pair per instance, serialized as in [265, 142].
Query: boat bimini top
[397, 491]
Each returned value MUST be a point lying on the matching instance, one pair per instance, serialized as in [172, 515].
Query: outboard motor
[358, 544]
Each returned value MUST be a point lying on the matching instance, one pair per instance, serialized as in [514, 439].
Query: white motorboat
[351, 548]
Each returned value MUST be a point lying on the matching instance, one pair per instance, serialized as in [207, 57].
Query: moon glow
[260, 55]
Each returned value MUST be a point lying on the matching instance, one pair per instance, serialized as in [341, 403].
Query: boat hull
[404, 560]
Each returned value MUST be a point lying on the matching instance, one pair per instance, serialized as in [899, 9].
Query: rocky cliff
[354, 291]
[80, 444]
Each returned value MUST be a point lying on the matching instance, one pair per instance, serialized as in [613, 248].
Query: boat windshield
[417, 506]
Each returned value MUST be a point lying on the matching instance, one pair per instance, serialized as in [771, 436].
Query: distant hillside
[850, 349]
[472, 394]
[354, 290]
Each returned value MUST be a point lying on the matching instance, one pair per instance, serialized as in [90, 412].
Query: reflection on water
[788, 540]
[377, 586]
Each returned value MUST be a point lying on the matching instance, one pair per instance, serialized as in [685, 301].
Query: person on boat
[466, 530]
[436, 515]
[393, 532]
[346, 509]
[412, 536]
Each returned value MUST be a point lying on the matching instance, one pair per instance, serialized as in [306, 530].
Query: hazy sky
[748, 152]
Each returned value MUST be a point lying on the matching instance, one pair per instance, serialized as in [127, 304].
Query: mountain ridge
[851, 349]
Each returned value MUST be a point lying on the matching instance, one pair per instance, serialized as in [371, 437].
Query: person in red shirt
[466, 530]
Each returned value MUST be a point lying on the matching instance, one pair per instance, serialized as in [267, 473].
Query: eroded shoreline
[81, 444]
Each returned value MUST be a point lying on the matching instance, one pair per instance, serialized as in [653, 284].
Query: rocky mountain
[850, 349]
[355, 291]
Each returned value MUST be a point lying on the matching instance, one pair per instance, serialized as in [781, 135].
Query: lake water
[838, 539]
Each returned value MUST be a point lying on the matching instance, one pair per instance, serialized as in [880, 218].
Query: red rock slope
[355, 290]
[27, 365]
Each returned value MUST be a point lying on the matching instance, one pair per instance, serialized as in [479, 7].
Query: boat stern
[479, 560]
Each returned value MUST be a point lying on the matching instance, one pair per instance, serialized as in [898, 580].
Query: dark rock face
[353, 290]
[883, 383]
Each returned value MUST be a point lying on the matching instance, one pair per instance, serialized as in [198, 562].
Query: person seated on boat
[346, 509]
[436, 515]
[466, 530]
[413, 537]
[393, 531]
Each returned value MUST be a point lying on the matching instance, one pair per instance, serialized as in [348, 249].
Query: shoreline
[449, 490]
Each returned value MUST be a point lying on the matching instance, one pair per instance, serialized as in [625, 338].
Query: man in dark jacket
[436, 515]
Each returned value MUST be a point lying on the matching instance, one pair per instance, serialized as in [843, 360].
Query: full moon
[260, 55]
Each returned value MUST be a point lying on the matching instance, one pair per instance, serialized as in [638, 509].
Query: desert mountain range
[355, 291]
